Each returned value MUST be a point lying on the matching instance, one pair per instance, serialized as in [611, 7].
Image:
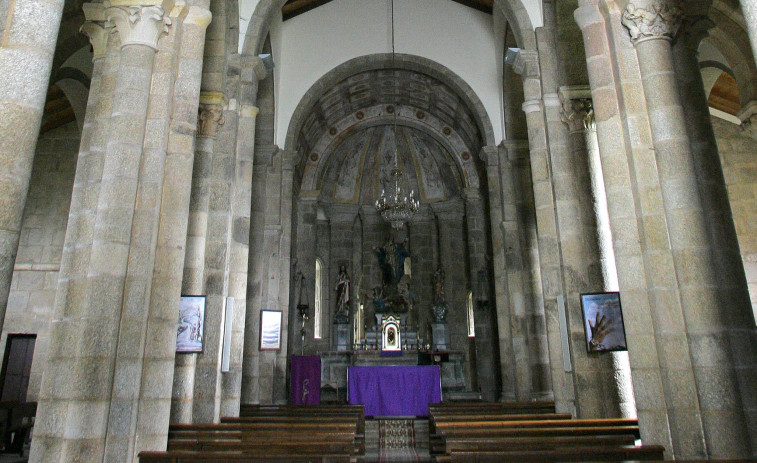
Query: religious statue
[391, 261]
[342, 295]
[440, 308]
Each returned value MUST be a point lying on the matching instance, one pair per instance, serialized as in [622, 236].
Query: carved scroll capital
[138, 25]
[659, 19]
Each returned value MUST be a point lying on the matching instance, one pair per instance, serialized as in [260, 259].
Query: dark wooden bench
[494, 407]
[573, 453]
[225, 457]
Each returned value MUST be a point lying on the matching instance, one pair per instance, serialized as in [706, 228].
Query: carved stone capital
[98, 38]
[210, 118]
[578, 114]
[658, 20]
[526, 64]
[138, 25]
[748, 116]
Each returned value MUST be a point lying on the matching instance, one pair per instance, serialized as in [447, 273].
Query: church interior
[389, 230]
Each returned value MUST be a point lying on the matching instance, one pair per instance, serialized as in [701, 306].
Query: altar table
[400, 390]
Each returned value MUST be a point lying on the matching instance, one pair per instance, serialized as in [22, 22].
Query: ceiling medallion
[360, 115]
[466, 156]
[314, 157]
[332, 131]
[396, 208]
[447, 131]
[421, 114]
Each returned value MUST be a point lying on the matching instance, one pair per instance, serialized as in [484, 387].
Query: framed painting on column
[270, 330]
[603, 322]
[191, 324]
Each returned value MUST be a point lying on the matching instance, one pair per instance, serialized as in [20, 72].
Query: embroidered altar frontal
[394, 390]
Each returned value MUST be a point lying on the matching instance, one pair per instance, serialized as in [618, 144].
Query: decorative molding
[138, 25]
[98, 38]
[660, 19]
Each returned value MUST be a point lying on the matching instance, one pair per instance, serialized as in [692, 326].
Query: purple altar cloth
[394, 390]
[305, 380]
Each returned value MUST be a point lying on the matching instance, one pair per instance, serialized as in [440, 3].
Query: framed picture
[603, 322]
[191, 324]
[270, 330]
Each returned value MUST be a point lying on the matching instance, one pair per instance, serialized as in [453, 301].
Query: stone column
[550, 261]
[732, 283]
[578, 114]
[239, 252]
[714, 319]
[114, 329]
[749, 8]
[264, 373]
[487, 361]
[193, 283]
[634, 240]
[27, 46]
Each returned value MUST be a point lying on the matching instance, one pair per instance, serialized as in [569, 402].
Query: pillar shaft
[114, 325]
[624, 208]
[749, 8]
[708, 420]
[732, 286]
[27, 46]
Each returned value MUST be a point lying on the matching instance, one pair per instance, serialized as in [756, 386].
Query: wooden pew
[495, 407]
[573, 453]
[226, 457]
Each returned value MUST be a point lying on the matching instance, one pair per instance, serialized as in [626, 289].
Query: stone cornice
[138, 25]
[658, 20]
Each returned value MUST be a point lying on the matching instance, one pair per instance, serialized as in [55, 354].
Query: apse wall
[310, 45]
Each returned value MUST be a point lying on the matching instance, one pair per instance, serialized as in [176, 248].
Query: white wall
[457, 37]
[247, 8]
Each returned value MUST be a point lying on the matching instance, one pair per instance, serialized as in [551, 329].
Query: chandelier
[395, 207]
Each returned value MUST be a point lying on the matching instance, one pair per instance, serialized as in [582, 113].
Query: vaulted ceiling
[293, 8]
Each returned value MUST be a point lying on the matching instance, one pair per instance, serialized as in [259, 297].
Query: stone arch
[514, 10]
[517, 16]
[731, 39]
[402, 61]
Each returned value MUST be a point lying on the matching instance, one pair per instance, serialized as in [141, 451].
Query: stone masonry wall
[737, 153]
[35, 276]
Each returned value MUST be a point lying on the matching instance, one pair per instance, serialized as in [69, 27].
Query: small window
[317, 310]
[471, 322]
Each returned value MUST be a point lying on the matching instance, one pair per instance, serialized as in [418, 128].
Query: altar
[399, 390]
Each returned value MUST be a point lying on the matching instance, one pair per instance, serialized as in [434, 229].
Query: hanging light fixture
[395, 207]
